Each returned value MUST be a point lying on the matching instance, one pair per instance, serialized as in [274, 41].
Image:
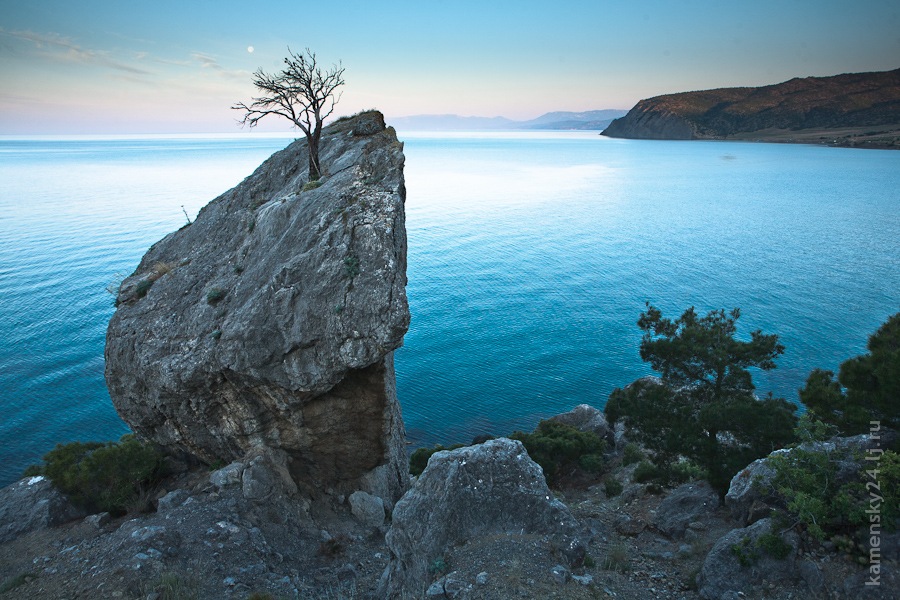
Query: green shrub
[419, 459]
[592, 463]
[866, 386]
[215, 294]
[646, 471]
[612, 487]
[438, 566]
[684, 471]
[806, 483]
[311, 185]
[351, 267]
[109, 477]
[774, 546]
[562, 450]
[632, 454]
[748, 553]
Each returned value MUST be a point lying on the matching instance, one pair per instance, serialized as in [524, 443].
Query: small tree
[704, 408]
[303, 93]
[867, 387]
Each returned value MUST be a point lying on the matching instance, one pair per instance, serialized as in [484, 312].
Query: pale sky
[113, 66]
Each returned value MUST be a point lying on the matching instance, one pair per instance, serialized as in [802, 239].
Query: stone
[31, 504]
[266, 475]
[98, 520]
[573, 549]
[587, 579]
[367, 508]
[173, 499]
[585, 417]
[684, 505]
[271, 320]
[749, 486]
[448, 586]
[369, 123]
[346, 573]
[723, 572]
[481, 578]
[560, 574]
[625, 525]
[229, 475]
[477, 491]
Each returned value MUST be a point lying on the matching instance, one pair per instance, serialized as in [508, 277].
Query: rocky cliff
[862, 108]
[271, 320]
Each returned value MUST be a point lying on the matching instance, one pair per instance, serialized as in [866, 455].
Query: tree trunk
[315, 169]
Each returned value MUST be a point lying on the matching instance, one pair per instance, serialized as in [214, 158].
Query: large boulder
[740, 562]
[465, 494]
[685, 504]
[271, 320]
[31, 504]
[585, 417]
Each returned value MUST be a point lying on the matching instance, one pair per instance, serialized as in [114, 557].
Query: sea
[531, 257]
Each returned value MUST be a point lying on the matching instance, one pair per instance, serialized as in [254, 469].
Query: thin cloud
[57, 48]
[209, 62]
[206, 61]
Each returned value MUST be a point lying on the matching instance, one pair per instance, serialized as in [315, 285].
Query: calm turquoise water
[530, 258]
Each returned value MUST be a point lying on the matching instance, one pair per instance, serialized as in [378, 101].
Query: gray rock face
[685, 504]
[367, 508]
[271, 320]
[477, 491]
[585, 417]
[31, 504]
[738, 564]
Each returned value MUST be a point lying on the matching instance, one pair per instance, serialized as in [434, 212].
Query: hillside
[858, 109]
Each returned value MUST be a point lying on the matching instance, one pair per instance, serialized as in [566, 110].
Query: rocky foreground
[855, 110]
[479, 523]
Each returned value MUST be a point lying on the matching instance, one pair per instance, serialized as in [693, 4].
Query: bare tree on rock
[303, 93]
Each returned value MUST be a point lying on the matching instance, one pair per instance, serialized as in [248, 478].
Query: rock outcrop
[32, 504]
[740, 562]
[585, 417]
[491, 489]
[750, 495]
[864, 108]
[685, 504]
[271, 320]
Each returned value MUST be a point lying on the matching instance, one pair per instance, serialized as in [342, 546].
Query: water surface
[530, 258]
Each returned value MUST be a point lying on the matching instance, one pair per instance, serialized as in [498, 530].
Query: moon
[250, 49]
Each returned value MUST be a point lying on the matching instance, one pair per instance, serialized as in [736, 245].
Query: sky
[135, 66]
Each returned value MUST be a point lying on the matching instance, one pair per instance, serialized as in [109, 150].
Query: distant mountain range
[588, 120]
[856, 109]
